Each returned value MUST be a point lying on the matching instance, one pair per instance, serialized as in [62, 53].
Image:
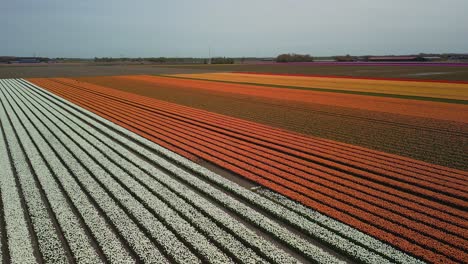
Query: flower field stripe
[146, 219]
[142, 245]
[69, 82]
[153, 204]
[78, 242]
[211, 177]
[109, 195]
[418, 108]
[456, 91]
[368, 160]
[336, 226]
[355, 77]
[217, 214]
[435, 232]
[371, 155]
[98, 224]
[268, 154]
[406, 163]
[273, 115]
[412, 213]
[236, 160]
[4, 254]
[244, 254]
[106, 239]
[445, 208]
[125, 164]
[145, 251]
[380, 154]
[163, 124]
[270, 227]
[303, 246]
[229, 121]
[239, 145]
[18, 243]
[50, 245]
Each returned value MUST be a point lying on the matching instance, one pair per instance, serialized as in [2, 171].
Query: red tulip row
[335, 188]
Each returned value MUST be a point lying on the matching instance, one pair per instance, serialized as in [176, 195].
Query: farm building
[28, 60]
[396, 58]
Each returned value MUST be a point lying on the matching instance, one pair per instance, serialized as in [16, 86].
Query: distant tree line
[216, 60]
[8, 59]
[292, 57]
[150, 59]
[222, 60]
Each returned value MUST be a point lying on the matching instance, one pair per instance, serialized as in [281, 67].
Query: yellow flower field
[456, 91]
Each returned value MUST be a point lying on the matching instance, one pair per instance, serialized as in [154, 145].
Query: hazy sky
[89, 28]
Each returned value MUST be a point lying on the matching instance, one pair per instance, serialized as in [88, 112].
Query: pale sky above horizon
[188, 28]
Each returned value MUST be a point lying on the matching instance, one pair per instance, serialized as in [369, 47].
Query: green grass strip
[400, 96]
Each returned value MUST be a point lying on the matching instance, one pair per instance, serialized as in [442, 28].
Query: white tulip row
[69, 223]
[91, 217]
[276, 230]
[143, 246]
[50, 247]
[17, 233]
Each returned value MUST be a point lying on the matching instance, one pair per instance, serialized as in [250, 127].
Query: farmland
[243, 132]
[422, 90]
[415, 206]
[183, 165]
[421, 71]
[80, 188]
[430, 131]
[85, 69]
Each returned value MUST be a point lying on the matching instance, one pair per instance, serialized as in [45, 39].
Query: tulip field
[112, 170]
[430, 131]
[78, 188]
[423, 89]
